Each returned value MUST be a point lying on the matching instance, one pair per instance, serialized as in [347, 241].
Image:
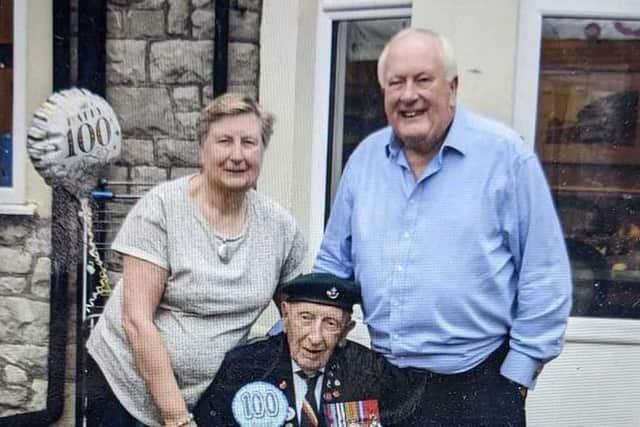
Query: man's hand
[523, 391]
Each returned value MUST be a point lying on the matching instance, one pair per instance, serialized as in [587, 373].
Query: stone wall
[25, 246]
[160, 73]
[159, 70]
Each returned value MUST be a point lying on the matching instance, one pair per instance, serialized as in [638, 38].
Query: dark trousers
[103, 407]
[478, 397]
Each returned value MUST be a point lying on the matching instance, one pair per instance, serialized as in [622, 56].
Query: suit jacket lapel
[282, 376]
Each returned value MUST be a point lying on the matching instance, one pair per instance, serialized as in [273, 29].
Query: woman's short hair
[233, 104]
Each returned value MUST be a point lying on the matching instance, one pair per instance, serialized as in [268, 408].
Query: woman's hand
[186, 421]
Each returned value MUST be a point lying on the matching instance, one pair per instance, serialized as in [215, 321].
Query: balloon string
[103, 288]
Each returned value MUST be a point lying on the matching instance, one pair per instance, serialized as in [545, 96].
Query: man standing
[310, 376]
[446, 221]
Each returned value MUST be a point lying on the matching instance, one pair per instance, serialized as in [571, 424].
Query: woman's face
[232, 153]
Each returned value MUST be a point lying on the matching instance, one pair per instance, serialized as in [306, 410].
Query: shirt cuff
[521, 369]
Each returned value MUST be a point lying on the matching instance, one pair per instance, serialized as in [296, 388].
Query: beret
[322, 288]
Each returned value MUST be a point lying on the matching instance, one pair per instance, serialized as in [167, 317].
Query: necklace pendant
[223, 252]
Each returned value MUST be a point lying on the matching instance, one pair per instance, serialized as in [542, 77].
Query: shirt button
[406, 235]
[399, 268]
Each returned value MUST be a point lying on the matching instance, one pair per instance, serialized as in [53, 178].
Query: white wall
[287, 60]
[39, 87]
[484, 36]
[33, 67]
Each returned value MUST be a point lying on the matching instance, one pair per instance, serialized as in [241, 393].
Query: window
[6, 91]
[578, 101]
[588, 137]
[13, 113]
[358, 108]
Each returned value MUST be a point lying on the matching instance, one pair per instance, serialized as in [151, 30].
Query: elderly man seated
[310, 375]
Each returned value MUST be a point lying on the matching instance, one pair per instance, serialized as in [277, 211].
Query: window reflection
[6, 90]
[588, 138]
[358, 105]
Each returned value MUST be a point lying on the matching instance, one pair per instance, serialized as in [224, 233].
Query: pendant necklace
[224, 249]
[224, 254]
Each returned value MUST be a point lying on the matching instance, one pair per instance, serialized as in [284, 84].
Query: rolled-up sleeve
[544, 280]
[294, 263]
[334, 256]
[144, 233]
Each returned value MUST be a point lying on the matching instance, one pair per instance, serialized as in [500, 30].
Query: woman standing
[202, 258]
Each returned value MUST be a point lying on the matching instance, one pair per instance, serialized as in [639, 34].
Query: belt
[491, 365]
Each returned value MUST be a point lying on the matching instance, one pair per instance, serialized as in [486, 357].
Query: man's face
[313, 331]
[418, 100]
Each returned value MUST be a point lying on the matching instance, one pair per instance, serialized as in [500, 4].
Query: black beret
[322, 288]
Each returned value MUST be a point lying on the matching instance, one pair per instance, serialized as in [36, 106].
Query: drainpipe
[221, 47]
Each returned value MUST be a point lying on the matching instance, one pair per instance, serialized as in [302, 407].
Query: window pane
[6, 90]
[358, 108]
[588, 138]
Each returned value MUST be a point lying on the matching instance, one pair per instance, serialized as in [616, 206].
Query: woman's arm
[144, 284]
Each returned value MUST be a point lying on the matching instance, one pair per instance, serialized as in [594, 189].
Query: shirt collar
[454, 139]
[295, 368]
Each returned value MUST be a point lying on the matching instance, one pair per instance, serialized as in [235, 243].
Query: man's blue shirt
[453, 263]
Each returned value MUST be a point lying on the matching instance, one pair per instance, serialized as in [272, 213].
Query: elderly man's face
[418, 100]
[313, 331]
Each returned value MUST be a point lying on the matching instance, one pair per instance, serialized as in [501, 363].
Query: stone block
[143, 111]
[31, 358]
[23, 321]
[135, 24]
[243, 63]
[117, 173]
[181, 61]
[13, 395]
[39, 240]
[41, 279]
[188, 125]
[207, 94]
[178, 172]
[203, 21]
[12, 234]
[148, 174]
[247, 89]
[39, 397]
[136, 152]
[125, 61]
[177, 153]
[244, 26]
[12, 285]
[178, 17]
[42, 271]
[14, 260]
[186, 99]
[15, 375]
